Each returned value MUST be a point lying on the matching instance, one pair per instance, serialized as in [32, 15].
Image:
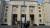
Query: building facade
[30, 11]
[15, 11]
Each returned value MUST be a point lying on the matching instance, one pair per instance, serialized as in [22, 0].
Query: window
[32, 9]
[6, 6]
[39, 15]
[5, 14]
[39, 10]
[5, 20]
[40, 20]
[15, 9]
[23, 9]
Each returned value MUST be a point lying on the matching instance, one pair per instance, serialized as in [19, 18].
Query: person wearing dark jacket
[27, 25]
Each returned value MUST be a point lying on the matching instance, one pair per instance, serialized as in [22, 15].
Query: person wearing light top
[23, 22]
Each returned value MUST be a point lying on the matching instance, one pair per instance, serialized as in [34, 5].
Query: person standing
[23, 22]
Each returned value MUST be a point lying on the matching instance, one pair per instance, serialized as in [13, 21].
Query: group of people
[25, 25]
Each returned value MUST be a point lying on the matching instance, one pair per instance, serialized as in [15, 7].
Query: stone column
[19, 15]
[27, 14]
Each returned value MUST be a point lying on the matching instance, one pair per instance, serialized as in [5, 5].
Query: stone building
[30, 11]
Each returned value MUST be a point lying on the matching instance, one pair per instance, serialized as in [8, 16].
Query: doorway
[23, 18]
[14, 19]
[32, 18]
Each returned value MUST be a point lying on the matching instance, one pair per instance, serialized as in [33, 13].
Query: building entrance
[14, 19]
[32, 18]
[23, 20]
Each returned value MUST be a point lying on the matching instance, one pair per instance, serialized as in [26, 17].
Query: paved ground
[20, 27]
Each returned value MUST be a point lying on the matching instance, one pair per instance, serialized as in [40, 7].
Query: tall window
[32, 9]
[15, 9]
[23, 9]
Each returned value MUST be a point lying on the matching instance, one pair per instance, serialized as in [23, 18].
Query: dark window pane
[39, 15]
[6, 6]
[39, 10]
[40, 20]
[5, 20]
